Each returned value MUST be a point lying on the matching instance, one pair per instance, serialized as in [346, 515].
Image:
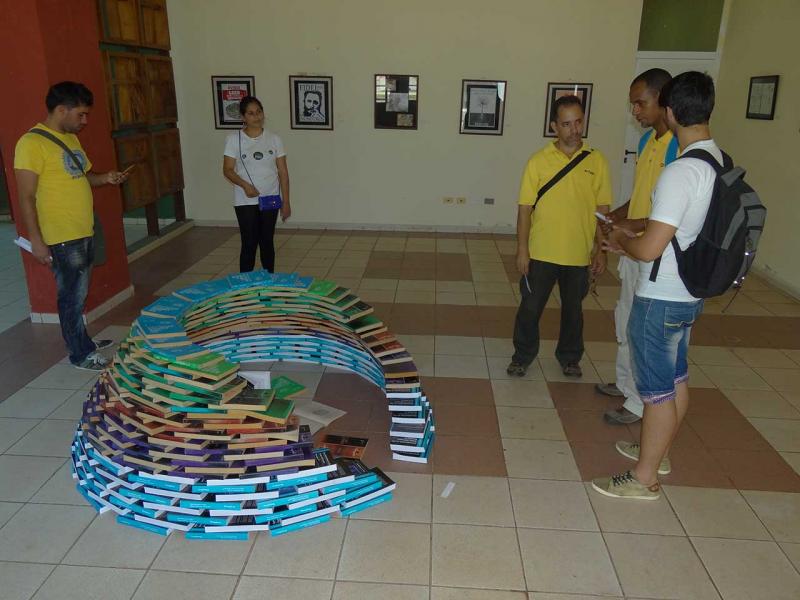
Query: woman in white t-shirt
[255, 163]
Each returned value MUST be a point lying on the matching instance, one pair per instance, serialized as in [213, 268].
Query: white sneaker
[93, 362]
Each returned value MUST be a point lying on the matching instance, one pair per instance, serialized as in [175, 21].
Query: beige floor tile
[546, 596]
[225, 557]
[794, 355]
[762, 403]
[553, 371]
[490, 287]
[414, 297]
[540, 459]
[743, 570]
[8, 510]
[779, 511]
[783, 435]
[451, 246]
[411, 501]
[457, 345]
[106, 543]
[783, 310]
[455, 287]
[764, 357]
[259, 588]
[385, 552]
[390, 245]
[158, 585]
[606, 370]
[456, 298]
[503, 347]
[376, 295]
[422, 344]
[421, 244]
[13, 430]
[497, 275]
[78, 583]
[697, 378]
[552, 505]
[351, 590]
[48, 438]
[21, 580]
[709, 512]
[783, 380]
[793, 458]
[60, 489]
[468, 501]
[451, 593]
[602, 351]
[530, 423]
[33, 403]
[416, 285]
[426, 365]
[519, 392]
[734, 378]
[22, 476]
[347, 263]
[715, 356]
[63, 377]
[337, 273]
[567, 561]
[792, 551]
[792, 397]
[71, 409]
[21, 538]
[477, 557]
[498, 365]
[469, 367]
[677, 574]
[311, 553]
[634, 517]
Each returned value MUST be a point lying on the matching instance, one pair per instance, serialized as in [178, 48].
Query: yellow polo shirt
[648, 168]
[63, 194]
[563, 224]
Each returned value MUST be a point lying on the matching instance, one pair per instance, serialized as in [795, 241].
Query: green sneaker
[626, 486]
[631, 450]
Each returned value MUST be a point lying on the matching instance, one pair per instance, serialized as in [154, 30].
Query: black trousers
[257, 230]
[573, 284]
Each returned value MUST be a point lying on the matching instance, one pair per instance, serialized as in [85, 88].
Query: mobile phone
[129, 169]
[603, 218]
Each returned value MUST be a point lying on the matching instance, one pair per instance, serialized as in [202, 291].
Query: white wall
[359, 175]
[762, 39]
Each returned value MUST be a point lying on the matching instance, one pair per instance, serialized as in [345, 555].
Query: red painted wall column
[43, 42]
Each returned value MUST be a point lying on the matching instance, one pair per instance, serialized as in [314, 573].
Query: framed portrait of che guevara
[311, 102]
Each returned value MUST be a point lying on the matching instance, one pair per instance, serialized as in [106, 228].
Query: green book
[280, 409]
[285, 387]
[321, 287]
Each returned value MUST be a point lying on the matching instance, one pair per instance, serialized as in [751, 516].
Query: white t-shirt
[258, 155]
[680, 198]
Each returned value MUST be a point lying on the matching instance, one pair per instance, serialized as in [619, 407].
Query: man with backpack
[657, 148]
[699, 240]
[558, 236]
[54, 180]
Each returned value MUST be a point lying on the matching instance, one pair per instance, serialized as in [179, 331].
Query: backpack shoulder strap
[58, 142]
[657, 262]
[560, 175]
[643, 140]
[672, 151]
[709, 159]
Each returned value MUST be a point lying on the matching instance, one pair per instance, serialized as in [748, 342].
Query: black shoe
[572, 369]
[609, 389]
[620, 416]
[516, 369]
[100, 344]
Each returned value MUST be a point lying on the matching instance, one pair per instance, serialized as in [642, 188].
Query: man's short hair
[316, 92]
[690, 95]
[654, 79]
[69, 94]
[570, 100]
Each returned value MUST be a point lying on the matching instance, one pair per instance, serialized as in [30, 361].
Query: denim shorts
[658, 337]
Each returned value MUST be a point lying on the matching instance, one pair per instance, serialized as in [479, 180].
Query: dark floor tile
[466, 420]
[764, 471]
[497, 329]
[382, 273]
[598, 459]
[695, 467]
[453, 390]
[417, 273]
[711, 401]
[454, 326]
[581, 396]
[730, 432]
[584, 426]
[466, 455]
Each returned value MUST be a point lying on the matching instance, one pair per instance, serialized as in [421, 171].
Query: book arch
[174, 437]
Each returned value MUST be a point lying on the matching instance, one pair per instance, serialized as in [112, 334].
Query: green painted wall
[680, 25]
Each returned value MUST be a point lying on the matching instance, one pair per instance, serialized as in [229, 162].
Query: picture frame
[483, 105]
[762, 96]
[228, 91]
[396, 100]
[311, 102]
[556, 90]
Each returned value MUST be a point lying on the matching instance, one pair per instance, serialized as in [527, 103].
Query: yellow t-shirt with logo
[648, 169]
[563, 224]
[63, 194]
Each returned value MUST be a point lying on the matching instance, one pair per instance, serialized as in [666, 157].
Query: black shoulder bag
[560, 175]
[99, 238]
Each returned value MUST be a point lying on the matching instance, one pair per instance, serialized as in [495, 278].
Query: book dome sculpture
[172, 438]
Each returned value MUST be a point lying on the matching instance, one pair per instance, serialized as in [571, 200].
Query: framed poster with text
[228, 91]
[396, 101]
[311, 102]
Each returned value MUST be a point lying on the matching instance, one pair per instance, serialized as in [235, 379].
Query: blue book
[155, 328]
[167, 306]
[204, 290]
[217, 535]
[144, 496]
[181, 518]
[203, 505]
[238, 281]
[287, 499]
[157, 483]
[283, 514]
[225, 489]
[359, 507]
[140, 525]
[301, 525]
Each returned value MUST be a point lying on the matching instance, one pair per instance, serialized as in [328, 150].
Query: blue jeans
[72, 266]
[658, 337]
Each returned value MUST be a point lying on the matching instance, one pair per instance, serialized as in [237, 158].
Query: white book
[171, 478]
[242, 512]
[307, 473]
[174, 508]
[245, 497]
[316, 499]
[165, 524]
[309, 515]
[407, 458]
[252, 527]
[171, 494]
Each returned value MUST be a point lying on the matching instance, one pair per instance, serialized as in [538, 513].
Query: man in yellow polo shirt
[657, 148]
[558, 236]
[55, 200]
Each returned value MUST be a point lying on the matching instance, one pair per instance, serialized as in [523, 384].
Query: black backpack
[725, 248]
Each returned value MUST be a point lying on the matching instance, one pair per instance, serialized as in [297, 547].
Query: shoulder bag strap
[58, 142]
[244, 164]
[560, 175]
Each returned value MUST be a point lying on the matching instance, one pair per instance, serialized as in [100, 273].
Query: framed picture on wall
[762, 96]
[228, 91]
[556, 91]
[311, 101]
[396, 101]
[483, 105]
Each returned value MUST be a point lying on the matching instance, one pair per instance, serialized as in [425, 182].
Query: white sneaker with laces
[93, 362]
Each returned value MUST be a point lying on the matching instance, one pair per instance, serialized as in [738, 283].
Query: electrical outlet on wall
[448, 200]
[461, 200]
[488, 200]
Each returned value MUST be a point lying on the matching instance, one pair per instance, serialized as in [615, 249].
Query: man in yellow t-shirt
[657, 148]
[55, 200]
[557, 237]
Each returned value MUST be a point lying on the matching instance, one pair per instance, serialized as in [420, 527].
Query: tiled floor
[520, 522]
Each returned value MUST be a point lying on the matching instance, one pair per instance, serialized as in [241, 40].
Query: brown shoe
[621, 416]
[609, 389]
[572, 369]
